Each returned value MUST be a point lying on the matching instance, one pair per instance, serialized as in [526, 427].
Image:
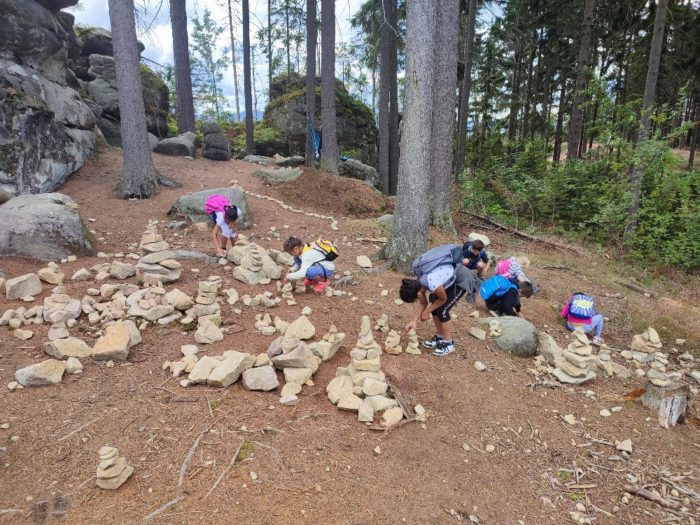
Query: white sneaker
[597, 341]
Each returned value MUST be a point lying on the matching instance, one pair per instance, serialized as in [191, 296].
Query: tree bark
[409, 235]
[386, 32]
[556, 154]
[464, 89]
[183, 77]
[140, 178]
[233, 62]
[444, 105]
[269, 44]
[249, 144]
[694, 136]
[657, 41]
[329, 147]
[584, 55]
[394, 151]
[310, 158]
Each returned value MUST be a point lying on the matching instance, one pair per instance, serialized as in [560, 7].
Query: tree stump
[671, 401]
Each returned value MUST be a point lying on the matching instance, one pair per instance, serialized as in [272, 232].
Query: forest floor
[314, 463]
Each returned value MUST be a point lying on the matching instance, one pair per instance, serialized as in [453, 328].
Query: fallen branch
[408, 411]
[647, 494]
[81, 427]
[554, 267]
[522, 235]
[163, 508]
[188, 457]
[382, 240]
[636, 287]
[228, 467]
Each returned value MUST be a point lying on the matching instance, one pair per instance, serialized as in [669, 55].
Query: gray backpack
[438, 256]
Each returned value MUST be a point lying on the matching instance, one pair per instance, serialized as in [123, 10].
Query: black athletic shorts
[454, 294]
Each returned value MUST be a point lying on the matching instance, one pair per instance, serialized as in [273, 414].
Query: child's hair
[526, 288]
[478, 244]
[409, 290]
[230, 213]
[524, 261]
[292, 243]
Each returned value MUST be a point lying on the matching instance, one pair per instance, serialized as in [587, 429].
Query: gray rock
[209, 127]
[22, 286]
[47, 372]
[277, 176]
[216, 147]
[152, 140]
[57, 5]
[357, 170]
[262, 378]
[97, 40]
[386, 222]
[46, 226]
[180, 146]
[112, 131]
[45, 133]
[259, 159]
[519, 336]
[563, 377]
[230, 369]
[192, 206]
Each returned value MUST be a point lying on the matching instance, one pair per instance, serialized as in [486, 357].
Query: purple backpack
[216, 203]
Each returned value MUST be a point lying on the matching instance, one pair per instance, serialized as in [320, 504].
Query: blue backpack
[495, 286]
[582, 305]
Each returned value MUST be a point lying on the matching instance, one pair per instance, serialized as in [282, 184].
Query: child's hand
[425, 316]
[410, 326]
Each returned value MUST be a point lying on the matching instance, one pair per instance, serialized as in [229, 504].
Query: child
[512, 269]
[502, 296]
[475, 257]
[579, 312]
[312, 264]
[224, 215]
[437, 292]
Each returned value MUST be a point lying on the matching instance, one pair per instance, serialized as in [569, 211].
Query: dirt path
[314, 463]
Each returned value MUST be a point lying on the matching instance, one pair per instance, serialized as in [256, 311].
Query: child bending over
[311, 264]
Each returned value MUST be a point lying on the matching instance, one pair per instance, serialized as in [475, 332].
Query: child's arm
[307, 259]
[565, 311]
[420, 308]
[441, 299]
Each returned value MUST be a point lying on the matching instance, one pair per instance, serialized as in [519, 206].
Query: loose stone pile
[264, 324]
[157, 265]
[362, 387]
[646, 349]
[412, 346]
[262, 299]
[382, 324]
[112, 470]
[329, 345]
[253, 264]
[392, 345]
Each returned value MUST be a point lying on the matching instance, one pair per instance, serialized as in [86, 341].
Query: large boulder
[180, 146]
[46, 130]
[216, 144]
[192, 206]
[57, 5]
[286, 114]
[518, 336]
[97, 40]
[357, 170]
[103, 89]
[277, 176]
[46, 226]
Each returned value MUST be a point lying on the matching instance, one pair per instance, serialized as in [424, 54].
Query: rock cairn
[286, 293]
[112, 470]
[253, 264]
[392, 345]
[265, 299]
[574, 365]
[382, 324]
[263, 324]
[157, 264]
[329, 344]
[361, 387]
[495, 329]
[412, 346]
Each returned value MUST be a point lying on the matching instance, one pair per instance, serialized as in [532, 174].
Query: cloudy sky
[158, 39]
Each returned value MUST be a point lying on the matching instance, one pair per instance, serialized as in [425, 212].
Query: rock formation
[112, 470]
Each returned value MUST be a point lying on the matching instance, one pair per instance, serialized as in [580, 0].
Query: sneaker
[433, 341]
[308, 282]
[597, 341]
[444, 348]
[321, 286]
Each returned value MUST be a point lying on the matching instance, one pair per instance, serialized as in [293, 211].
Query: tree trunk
[269, 44]
[556, 154]
[249, 145]
[444, 102]
[329, 137]
[394, 151]
[584, 54]
[287, 42]
[310, 79]
[637, 176]
[386, 32]
[694, 136]
[409, 235]
[183, 77]
[233, 62]
[515, 92]
[464, 89]
[140, 178]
